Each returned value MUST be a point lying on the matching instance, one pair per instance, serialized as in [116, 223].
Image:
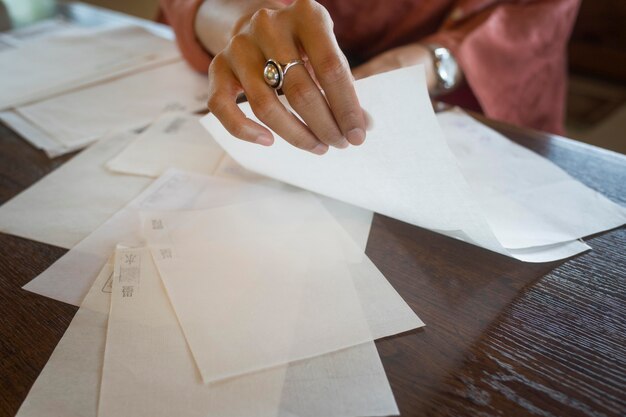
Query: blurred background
[596, 101]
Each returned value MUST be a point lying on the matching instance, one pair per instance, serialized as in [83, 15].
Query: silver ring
[274, 72]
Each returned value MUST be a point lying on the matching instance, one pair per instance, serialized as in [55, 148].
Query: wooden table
[503, 338]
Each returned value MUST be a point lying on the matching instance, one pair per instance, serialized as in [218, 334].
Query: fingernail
[264, 140]
[356, 136]
[320, 149]
[342, 144]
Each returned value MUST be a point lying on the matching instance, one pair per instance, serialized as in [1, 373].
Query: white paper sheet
[403, 170]
[81, 117]
[69, 384]
[70, 277]
[72, 201]
[349, 382]
[76, 57]
[527, 200]
[148, 370]
[177, 140]
[34, 135]
[265, 283]
[406, 171]
[174, 140]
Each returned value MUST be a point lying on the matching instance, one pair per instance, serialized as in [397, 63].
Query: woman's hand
[403, 56]
[303, 30]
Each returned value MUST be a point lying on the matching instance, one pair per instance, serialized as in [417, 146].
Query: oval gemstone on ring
[272, 74]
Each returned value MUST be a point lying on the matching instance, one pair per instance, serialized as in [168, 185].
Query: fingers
[331, 69]
[223, 91]
[302, 92]
[246, 60]
[333, 117]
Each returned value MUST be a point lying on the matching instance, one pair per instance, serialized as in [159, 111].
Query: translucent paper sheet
[405, 170]
[69, 384]
[269, 282]
[72, 201]
[177, 140]
[148, 370]
[527, 200]
[349, 382]
[76, 57]
[76, 119]
[174, 140]
[69, 278]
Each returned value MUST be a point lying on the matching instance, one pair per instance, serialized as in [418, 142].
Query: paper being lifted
[149, 371]
[77, 57]
[528, 200]
[269, 282]
[405, 170]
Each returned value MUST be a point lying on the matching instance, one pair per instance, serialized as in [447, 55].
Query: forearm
[218, 20]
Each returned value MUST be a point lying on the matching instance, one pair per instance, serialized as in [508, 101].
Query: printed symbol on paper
[157, 224]
[130, 258]
[166, 253]
[127, 291]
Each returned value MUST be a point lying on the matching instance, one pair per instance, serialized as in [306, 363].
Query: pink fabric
[512, 52]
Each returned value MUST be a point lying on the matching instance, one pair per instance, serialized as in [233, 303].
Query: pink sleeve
[180, 15]
[513, 56]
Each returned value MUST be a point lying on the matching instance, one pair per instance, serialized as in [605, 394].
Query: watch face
[447, 68]
[448, 71]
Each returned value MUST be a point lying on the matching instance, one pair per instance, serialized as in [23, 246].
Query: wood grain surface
[503, 338]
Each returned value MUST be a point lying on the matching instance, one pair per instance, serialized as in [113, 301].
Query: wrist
[241, 22]
[217, 21]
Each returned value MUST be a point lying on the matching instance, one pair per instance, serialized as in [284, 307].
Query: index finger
[333, 73]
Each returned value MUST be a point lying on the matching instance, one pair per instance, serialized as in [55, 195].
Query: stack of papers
[90, 82]
[317, 362]
[76, 57]
[218, 289]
